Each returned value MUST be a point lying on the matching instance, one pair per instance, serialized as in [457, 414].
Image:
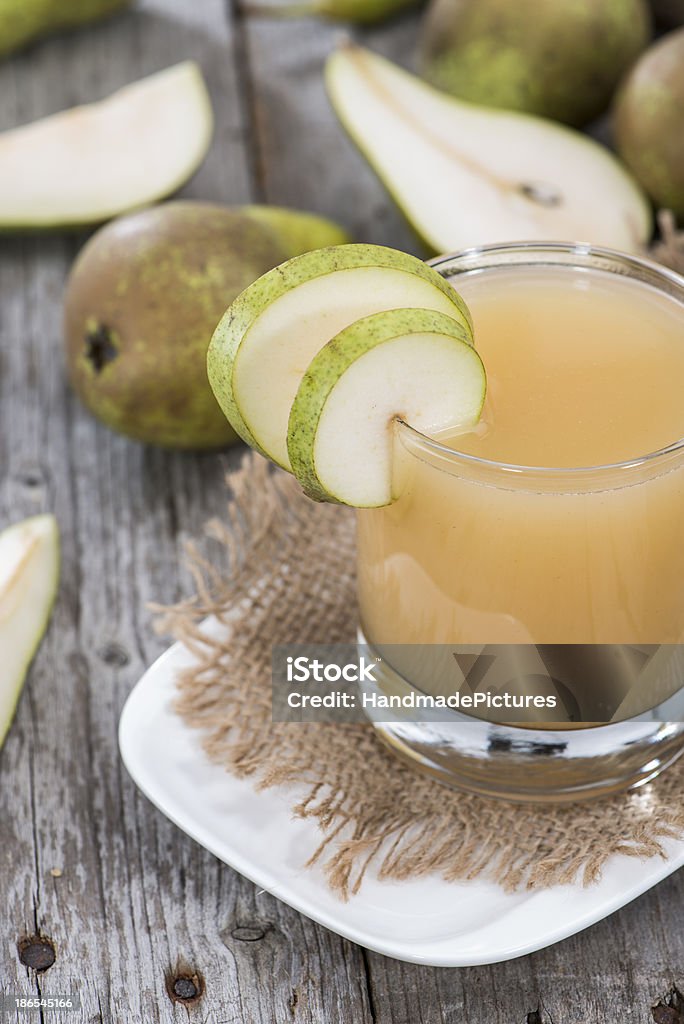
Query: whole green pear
[143, 300]
[560, 59]
[363, 12]
[22, 21]
[649, 121]
[668, 13]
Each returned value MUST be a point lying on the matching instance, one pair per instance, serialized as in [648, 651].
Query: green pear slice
[466, 175]
[29, 572]
[270, 334]
[88, 164]
[413, 364]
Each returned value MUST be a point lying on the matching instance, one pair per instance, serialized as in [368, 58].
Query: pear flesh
[414, 363]
[144, 298]
[466, 175]
[266, 340]
[88, 164]
[649, 121]
[22, 21]
[29, 574]
[363, 12]
[551, 58]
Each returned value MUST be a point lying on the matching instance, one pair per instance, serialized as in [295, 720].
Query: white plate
[427, 921]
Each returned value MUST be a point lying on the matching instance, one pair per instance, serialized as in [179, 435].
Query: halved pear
[466, 175]
[266, 340]
[29, 573]
[88, 164]
[413, 364]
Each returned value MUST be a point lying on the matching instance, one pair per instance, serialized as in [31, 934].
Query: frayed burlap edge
[669, 249]
[280, 569]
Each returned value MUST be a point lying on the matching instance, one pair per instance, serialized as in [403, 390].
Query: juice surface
[583, 368]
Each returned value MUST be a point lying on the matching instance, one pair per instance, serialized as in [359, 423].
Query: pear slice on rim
[29, 573]
[416, 364]
[267, 338]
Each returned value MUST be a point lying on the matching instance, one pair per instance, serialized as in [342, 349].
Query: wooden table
[133, 907]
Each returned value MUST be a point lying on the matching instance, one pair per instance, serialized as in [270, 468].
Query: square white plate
[427, 921]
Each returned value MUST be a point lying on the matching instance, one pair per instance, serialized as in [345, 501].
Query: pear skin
[297, 232]
[363, 12]
[554, 59]
[649, 122]
[142, 303]
[22, 21]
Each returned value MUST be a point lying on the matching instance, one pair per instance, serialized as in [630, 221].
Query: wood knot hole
[115, 655]
[248, 932]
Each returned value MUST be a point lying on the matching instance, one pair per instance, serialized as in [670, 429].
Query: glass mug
[431, 606]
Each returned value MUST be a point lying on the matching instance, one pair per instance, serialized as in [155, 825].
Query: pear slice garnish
[29, 573]
[414, 363]
[268, 337]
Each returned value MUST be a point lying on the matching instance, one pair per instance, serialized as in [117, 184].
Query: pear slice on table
[467, 175]
[88, 164]
[414, 363]
[29, 573]
[267, 338]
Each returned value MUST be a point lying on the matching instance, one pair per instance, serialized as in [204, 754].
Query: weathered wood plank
[304, 157]
[136, 901]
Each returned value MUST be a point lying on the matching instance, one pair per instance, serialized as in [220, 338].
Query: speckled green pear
[560, 59]
[142, 303]
[416, 364]
[296, 232]
[22, 21]
[271, 332]
[649, 121]
[363, 12]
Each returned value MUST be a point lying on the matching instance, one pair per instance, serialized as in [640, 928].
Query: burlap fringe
[280, 569]
[669, 248]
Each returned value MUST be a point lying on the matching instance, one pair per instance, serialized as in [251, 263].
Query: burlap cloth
[280, 569]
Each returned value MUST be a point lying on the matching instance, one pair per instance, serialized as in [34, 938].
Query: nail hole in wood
[37, 952]
[186, 989]
[31, 479]
[669, 1010]
[115, 655]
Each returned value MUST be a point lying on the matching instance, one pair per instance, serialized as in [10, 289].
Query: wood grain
[138, 905]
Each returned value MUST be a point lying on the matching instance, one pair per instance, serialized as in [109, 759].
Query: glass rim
[579, 250]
